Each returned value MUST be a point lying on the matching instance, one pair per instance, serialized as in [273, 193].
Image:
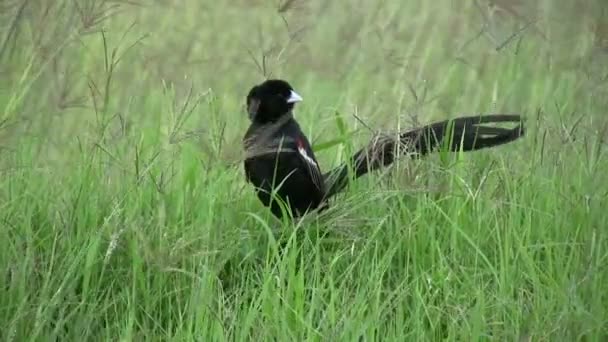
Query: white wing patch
[305, 155]
[311, 165]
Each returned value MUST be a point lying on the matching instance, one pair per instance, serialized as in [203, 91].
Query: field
[125, 215]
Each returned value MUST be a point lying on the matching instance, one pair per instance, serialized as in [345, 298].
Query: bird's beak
[294, 97]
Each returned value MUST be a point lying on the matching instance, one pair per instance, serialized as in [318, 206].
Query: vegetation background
[124, 213]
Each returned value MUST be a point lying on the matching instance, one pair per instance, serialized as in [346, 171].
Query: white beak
[294, 97]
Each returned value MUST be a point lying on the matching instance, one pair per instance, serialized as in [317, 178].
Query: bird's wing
[311, 164]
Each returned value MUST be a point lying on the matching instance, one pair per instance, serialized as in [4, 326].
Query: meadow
[125, 215]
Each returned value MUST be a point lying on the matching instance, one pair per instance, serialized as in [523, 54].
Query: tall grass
[124, 213]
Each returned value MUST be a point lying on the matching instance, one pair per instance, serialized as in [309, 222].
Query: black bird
[278, 155]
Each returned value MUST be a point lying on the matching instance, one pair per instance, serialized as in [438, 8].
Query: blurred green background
[124, 213]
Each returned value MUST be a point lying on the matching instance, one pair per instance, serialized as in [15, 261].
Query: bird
[281, 165]
[278, 154]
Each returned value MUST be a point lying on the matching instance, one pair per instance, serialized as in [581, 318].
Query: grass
[124, 213]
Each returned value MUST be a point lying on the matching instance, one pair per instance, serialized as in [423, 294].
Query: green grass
[124, 212]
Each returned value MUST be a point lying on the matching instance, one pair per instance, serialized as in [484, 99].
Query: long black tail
[468, 135]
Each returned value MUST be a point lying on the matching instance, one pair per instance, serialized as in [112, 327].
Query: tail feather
[467, 134]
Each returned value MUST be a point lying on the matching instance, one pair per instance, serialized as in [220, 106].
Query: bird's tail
[468, 133]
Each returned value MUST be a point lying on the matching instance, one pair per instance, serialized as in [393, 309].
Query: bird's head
[270, 100]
